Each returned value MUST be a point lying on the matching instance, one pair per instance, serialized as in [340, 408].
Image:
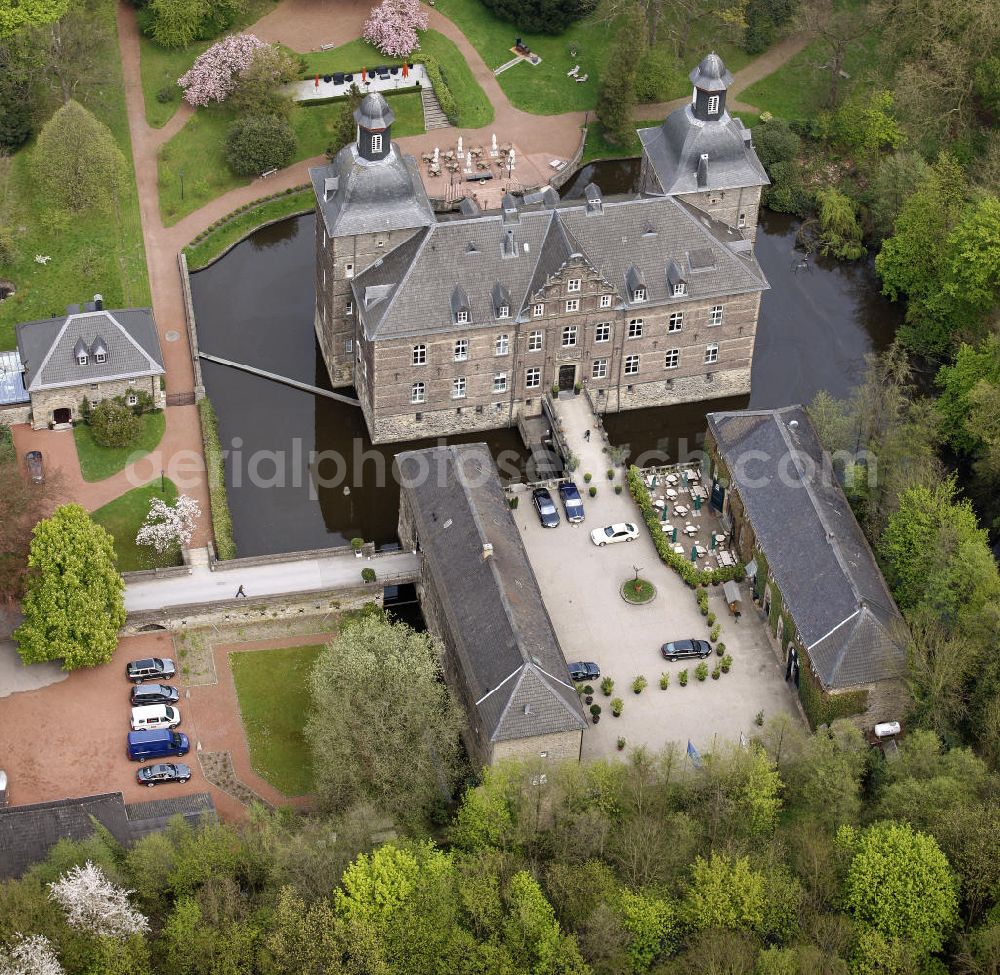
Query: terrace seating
[338, 77]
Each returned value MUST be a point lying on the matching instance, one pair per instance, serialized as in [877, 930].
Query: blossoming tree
[168, 527]
[94, 904]
[30, 955]
[214, 74]
[392, 27]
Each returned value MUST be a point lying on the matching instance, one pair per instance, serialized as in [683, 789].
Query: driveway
[580, 585]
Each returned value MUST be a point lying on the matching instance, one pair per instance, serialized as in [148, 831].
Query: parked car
[152, 668]
[155, 716]
[625, 532]
[143, 694]
[36, 469]
[686, 648]
[156, 744]
[582, 671]
[166, 772]
[572, 502]
[545, 506]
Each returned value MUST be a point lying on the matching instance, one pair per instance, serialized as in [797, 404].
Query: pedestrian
[240, 592]
[586, 435]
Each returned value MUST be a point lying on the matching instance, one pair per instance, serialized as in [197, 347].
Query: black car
[152, 668]
[165, 772]
[546, 508]
[582, 671]
[686, 648]
[143, 694]
[572, 502]
[36, 467]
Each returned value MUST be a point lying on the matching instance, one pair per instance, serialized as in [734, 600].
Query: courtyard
[581, 583]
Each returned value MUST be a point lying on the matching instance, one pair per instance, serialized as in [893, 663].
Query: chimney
[99, 302]
[487, 551]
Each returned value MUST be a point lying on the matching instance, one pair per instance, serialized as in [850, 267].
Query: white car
[624, 532]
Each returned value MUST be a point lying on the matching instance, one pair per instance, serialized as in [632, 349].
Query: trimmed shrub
[726, 663]
[222, 522]
[593, 491]
[716, 672]
[607, 686]
[258, 143]
[611, 473]
[617, 706]
[713, 634]
[446, 99]
[664, 680]
[701, 671]
[540, 16]
[588, 477]
[639, 684]
[682, 678]
[367, 574]
[114, 424]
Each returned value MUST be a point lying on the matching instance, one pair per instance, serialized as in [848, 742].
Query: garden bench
[268, 172]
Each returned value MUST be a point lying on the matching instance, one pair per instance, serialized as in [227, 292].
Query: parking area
[581, 583]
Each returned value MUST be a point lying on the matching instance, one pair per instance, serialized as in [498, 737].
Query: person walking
[240, 592]
[586, 435]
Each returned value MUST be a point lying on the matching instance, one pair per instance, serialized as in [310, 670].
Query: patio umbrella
[697, 504]
[364, 75]
[317, 81]
[460, 145]
[663, 513]
[406, 69]
[684, 478]
[673, 536]
[654, 482]
[713, 542]
[694, 554]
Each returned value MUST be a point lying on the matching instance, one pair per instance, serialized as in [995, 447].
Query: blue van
[156, 744]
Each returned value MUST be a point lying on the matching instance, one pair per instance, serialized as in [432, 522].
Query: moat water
[302, 472]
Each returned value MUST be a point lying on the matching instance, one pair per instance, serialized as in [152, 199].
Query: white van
[154, 717]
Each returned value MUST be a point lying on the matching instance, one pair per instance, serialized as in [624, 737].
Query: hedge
[222, 521]
[685, 568]
[823, 708]
[440, 85]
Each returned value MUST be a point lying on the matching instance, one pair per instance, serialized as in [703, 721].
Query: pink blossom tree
[214, 74]
[169, 527]
[392, 27]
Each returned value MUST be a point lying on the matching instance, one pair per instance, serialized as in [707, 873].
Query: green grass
[597, 147]
[272, 687]
[199, 150]
[474, 108]
[124, 516]
[98, 463]
[202, 253]
[94, 251]
[638, 591]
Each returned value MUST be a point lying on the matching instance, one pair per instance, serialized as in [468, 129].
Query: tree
[616, 96]
[113, 424]
[973, 249]
[73, 603]
[840, 232]
[216, 72]
[384, 726]
[176, 23]
[392, 27]
[30, 955]
[839, 26]
[15, 17]
[899, 885]
[344, 128]
[896, 176]
[257, 88]
[93, 903]
[256, 144]
[77, 161]
[866, 126]
[541, 16]
[650, 922]
[169, 528]
[724, 893]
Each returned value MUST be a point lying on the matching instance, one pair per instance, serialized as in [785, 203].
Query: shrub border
[222, 521]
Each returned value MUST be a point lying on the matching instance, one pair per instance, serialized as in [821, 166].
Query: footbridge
[253, 370]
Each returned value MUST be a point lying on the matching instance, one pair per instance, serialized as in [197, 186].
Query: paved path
[283, 578]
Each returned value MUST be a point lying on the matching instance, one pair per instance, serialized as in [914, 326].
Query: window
[419, 355]
[680, 289]
[538, 310]
[349, 309]
[131, 399]
[533, 377]
[349, 345]
[377, 141]
[572, 304]
[672, 359]
[742, 221]
[462, 317]
[713, 104]
[535, 342]
[500, 382]
[503, 311]
[635, 328]
[676, 322]
[324, 279]
[573, 285]
[418, 393]
[461, 349]
[599, 369]
[458, 388]
[631, 365]
[602, 332]
[715, 315]
[348, 270]
[569, 336]
[82, 358]
[605, 301]
[711, 354]
[502, 344]
[639, 294]
[100, 357]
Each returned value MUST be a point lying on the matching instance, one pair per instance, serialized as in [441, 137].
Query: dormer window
[676, 284]
[460, 306]
[82, 359]
[713, 104]
[680, 289]
[503, 311]
[639, 294]
[100, 357]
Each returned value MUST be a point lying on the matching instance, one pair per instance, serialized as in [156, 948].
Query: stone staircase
[434, 118]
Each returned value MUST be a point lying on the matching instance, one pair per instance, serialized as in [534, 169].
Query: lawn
[272, 687]
[194, 160]
[474, 108]
[210, 248]
[90, 251]
[597, 147]
[123, 518]
[98, 463]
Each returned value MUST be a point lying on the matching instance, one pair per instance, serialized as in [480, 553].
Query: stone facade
[563, 747]
[45, 402]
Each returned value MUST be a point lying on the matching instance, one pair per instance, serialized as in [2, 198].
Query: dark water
[613, 176]
[256, 306]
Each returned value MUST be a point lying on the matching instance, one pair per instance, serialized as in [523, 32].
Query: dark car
[143, 694]
[546, 508]
[165, 772]
[36, 469]
[572, 502]
[686, 648]
[582, 671]
[152, 668]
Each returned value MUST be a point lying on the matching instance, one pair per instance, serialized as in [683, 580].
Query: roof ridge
[755, 271]
[426, 231]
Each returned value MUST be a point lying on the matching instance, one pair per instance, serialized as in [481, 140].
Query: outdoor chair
[573, 72]
[348, 78]
[338, 77]
[581, 79]
[394, 71]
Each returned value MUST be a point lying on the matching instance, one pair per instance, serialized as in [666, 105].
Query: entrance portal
[567, 376]
[62, 415]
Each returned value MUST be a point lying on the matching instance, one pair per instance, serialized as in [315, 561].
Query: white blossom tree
[214, 74]
[392, 27]
[169, 527]
[94, 904]
[30, 954]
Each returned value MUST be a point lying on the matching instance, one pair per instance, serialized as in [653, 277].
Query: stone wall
[45, 402]
[559, 747]
[730, 206]
[13, 415]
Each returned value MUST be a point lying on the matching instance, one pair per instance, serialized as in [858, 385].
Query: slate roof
[648, 233]
[827, 574]
[504, 641]
[49, 348]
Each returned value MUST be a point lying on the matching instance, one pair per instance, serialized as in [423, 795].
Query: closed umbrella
[406, 69]
[663, 513]
[673, 536]
[694, 554]
[317, 81]
[364, 75]
[654, 482]
[697, 503]
[713, 542]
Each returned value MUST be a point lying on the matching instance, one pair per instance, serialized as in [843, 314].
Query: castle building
[446, 323]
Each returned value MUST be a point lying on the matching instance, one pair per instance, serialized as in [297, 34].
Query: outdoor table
[701, 550]
[681, 509]
[672, 479]
[690, 530]
[659, 503]
[679, 549]
[665, 527]
[670, 493]
[694, 475]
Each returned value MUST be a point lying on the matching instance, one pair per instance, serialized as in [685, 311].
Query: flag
[743, 740]
[693, 755]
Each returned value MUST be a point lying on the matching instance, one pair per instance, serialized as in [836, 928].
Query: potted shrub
[716, 672]
[682, 678]
[639, 683]
[367, 574]
[555, 390]
[726, 663]
[595, 713]
[617, 706]
[593, 491]
[611, 473]
[759, 719]
[720, 649]
[621, 744]
[701, 671]
[357, 544]
[607, 686]
[513, 502]
[588, 692]
[618, 489]
[588, 477]
[710, 619]
[664, 681]
[577, 387]
[713, 634]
